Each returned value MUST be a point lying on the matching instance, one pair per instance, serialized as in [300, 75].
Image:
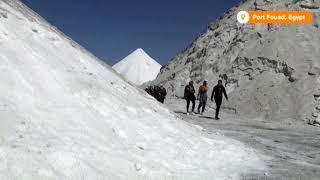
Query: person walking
[217, 92]
[203, 97]
[189, 96]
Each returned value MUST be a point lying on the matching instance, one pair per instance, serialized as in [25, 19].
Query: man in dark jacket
[189, 96]
[156, 93]
[217, 92]
[162, 94]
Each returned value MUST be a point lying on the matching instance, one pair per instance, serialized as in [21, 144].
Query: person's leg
[204, 104]
[218, 105]
[188, 104]
[193, 104]
[200, 105]
[217, 110]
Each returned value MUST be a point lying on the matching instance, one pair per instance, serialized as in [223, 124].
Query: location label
[275, 17]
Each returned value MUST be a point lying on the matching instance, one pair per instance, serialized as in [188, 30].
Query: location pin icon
[243, 16]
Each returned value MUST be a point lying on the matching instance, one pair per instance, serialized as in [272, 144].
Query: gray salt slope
[66, 115]
[271, 71]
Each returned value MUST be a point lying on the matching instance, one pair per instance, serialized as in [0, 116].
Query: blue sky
[111, 29]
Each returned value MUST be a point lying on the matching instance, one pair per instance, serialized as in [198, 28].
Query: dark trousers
[218, 105]
[193, 100]
[202, 103]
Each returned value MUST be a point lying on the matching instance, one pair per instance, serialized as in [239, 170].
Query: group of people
[217, 95]
[158, 92]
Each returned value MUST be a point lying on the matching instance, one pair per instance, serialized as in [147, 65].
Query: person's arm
[212, 94]
[198, 96]
[225, 93]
